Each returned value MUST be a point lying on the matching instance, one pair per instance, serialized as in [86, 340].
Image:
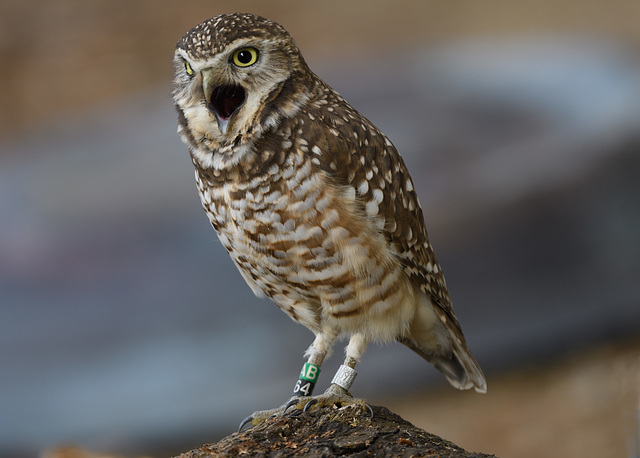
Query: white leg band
[344, 377]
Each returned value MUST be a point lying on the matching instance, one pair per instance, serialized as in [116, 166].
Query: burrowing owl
[313, 203]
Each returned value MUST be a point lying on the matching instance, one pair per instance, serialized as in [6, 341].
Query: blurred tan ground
[59, 57]
[584, 406]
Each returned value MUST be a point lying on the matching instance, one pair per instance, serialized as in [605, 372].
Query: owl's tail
[429, 335]
[459, 367]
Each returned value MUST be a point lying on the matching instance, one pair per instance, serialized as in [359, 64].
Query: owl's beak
[223, 100]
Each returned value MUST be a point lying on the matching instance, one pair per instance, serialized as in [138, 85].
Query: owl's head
[229, 72]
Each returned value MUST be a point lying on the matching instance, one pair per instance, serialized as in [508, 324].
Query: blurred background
[124, 326]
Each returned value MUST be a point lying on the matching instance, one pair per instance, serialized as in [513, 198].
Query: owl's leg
[306, 381]
[315, 354]
[338, 392]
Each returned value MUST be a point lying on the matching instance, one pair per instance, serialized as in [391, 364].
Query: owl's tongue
[225, 100]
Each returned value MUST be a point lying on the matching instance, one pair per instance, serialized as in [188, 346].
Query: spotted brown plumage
[313, 202]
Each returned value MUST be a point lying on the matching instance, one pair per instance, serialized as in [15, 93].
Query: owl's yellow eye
[245, 57]
[188, 69]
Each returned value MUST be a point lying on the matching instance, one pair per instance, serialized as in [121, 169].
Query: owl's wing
[355, 153]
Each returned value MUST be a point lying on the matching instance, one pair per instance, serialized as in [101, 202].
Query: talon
[292, 402]
[244, 422]
[308, 405]
[370, 410]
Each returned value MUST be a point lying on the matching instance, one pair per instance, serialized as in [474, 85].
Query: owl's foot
[299, 402]
[335, 395]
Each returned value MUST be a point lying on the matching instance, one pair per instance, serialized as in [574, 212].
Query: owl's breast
[298, 237]
[268, 224]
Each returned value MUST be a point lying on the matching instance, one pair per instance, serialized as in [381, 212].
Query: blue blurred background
[124, 326]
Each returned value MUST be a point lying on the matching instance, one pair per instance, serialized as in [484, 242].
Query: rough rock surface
[326, 432]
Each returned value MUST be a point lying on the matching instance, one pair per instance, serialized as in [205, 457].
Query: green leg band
[307, 380]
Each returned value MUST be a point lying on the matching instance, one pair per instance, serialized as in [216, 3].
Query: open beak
[222, 100]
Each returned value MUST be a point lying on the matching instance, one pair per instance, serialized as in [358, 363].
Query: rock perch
[326, 432]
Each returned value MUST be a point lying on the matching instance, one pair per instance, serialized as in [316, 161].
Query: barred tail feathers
[430, 335]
